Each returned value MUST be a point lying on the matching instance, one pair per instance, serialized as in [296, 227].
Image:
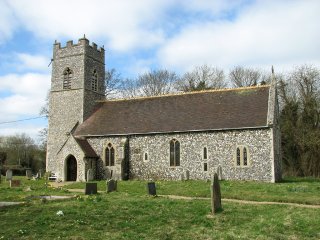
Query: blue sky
[140, 35]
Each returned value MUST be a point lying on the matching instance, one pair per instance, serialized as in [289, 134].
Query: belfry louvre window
[109, 155]
[94, 81]
[174, 153]
[67, 76]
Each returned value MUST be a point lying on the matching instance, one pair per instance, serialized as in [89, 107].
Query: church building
[234, 132]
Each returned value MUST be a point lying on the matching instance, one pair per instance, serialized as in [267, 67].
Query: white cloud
[31, 130]
[123, 24]
[32, 62]
[25, 96]
[268, 32]
[7, 22]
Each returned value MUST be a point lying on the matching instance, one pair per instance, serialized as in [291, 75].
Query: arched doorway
[71, 168]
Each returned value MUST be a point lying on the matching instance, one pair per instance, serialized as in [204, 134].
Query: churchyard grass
[131, 214]
[122, 215]
[294, 190]
[28, 189]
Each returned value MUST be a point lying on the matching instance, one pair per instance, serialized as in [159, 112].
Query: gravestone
[9, 175]
[89, 175]
[181, 176]
[41, 173]
[152, 188]
[111, 185]
[28, 174]
[215, 195]
[15, 183]
[91, 188]
[186, 175]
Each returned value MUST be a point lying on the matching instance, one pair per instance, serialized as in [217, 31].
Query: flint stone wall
[221, 148]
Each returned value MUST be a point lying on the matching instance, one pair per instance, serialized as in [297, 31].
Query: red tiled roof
[198, 111]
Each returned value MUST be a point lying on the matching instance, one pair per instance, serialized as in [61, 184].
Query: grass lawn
[131, 214]
[295, 190]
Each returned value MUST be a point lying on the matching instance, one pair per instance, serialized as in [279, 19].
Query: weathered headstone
[9, 175]
[215, 195]
[152, 188]
[186, 175]
[15, 183]
[41, 173]
[181, 176]
[91, 188]
[28, 174]
[89, 175]
[111, 185]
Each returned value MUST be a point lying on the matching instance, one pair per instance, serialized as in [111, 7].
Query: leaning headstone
[9, 175]
[15, 183]
[91, 188]
[215, 195]
[152, 189]
[186, 175]
[28, 174]
[111, 185]
[89, 175]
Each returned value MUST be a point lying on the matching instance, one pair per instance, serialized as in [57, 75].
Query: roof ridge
[184, 93]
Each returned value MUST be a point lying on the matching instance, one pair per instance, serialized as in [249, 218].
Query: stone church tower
[78, 72]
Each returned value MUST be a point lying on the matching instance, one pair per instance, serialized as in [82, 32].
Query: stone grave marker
[111, 185]
[89, 175]
[215, 195]
[181, 176]
[41, 173]
[186, 175]
[15, 183]
[9, 175]
[91, 188]
[28, 174]
[152, 188]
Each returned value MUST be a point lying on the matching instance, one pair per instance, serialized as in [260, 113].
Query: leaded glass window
[238, 157]
[205, 153]
[174, 153]
[109, 155]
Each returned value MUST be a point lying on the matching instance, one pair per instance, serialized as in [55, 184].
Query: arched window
[174, 153]
[67, 75]
[94, 81]
[238, 157]
[205, 153]
[109, 155]
[245, 157]
[145, 156]
[242, 157]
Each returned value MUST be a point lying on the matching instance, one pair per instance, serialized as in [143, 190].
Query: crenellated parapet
[82, 47]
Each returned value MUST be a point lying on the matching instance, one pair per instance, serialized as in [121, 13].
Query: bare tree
[244, 77]
[201, 78]
[156, 82]
[114, 83]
